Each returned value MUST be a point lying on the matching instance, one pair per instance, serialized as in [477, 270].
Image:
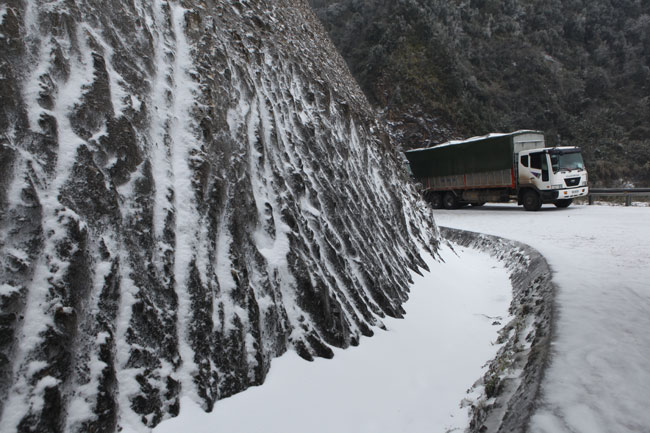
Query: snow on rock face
[187, 190]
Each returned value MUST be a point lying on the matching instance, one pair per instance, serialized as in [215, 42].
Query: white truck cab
[553, 175]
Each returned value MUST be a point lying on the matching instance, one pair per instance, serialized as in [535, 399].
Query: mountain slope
[578, 70]
[187, 190]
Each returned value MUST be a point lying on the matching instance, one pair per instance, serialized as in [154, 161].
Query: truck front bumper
[569, 193]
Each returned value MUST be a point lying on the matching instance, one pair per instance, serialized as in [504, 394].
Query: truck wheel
[435, 198]
[450, 201]
[563, 203]
[531, 201]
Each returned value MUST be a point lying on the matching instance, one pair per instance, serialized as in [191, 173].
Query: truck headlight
[558, 186]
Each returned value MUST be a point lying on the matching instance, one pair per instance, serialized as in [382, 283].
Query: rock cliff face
[187, 190]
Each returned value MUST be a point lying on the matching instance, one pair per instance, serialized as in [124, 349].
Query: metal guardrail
[628, 193]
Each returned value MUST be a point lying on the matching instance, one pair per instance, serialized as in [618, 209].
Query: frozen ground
[598, 380]
[410, 378]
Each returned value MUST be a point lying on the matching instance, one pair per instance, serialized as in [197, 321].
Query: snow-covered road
[599, 376]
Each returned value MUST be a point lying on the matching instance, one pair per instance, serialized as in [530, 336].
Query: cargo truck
[499, 168]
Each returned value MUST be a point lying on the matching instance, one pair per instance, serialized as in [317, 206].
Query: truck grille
[573, 181]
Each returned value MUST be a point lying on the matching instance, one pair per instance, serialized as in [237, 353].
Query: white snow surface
[477, 138]
[599, 375]
[411, 377]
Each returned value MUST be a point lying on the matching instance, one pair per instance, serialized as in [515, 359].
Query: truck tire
[450, 201]
[435, 198]
[531, 201]
[563, 203]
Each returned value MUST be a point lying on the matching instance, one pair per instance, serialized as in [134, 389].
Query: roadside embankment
[512, 383]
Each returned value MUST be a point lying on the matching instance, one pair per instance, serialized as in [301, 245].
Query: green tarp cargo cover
[494, 152]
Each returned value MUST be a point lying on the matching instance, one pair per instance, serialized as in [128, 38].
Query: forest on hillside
[578, 69]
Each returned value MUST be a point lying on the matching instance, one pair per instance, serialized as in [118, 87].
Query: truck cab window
[536, 160]
[524, 160]
[566, 161]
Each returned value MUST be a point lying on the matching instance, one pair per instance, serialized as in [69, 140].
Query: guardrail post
[591, 199]
[628, 200]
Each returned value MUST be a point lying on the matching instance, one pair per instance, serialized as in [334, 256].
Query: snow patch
[38, 400]
[126, 377]
[35, 367]
[7, 289]
[183, 142]
[18, 255]
[3, 13]
[482, 137]
[119, 94]
[136, 103]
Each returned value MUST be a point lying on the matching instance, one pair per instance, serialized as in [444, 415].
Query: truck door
[536, 173]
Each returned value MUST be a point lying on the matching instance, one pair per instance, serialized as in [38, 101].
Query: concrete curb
[511, 386]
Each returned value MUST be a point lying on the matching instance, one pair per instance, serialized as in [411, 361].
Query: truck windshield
[567, 161]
